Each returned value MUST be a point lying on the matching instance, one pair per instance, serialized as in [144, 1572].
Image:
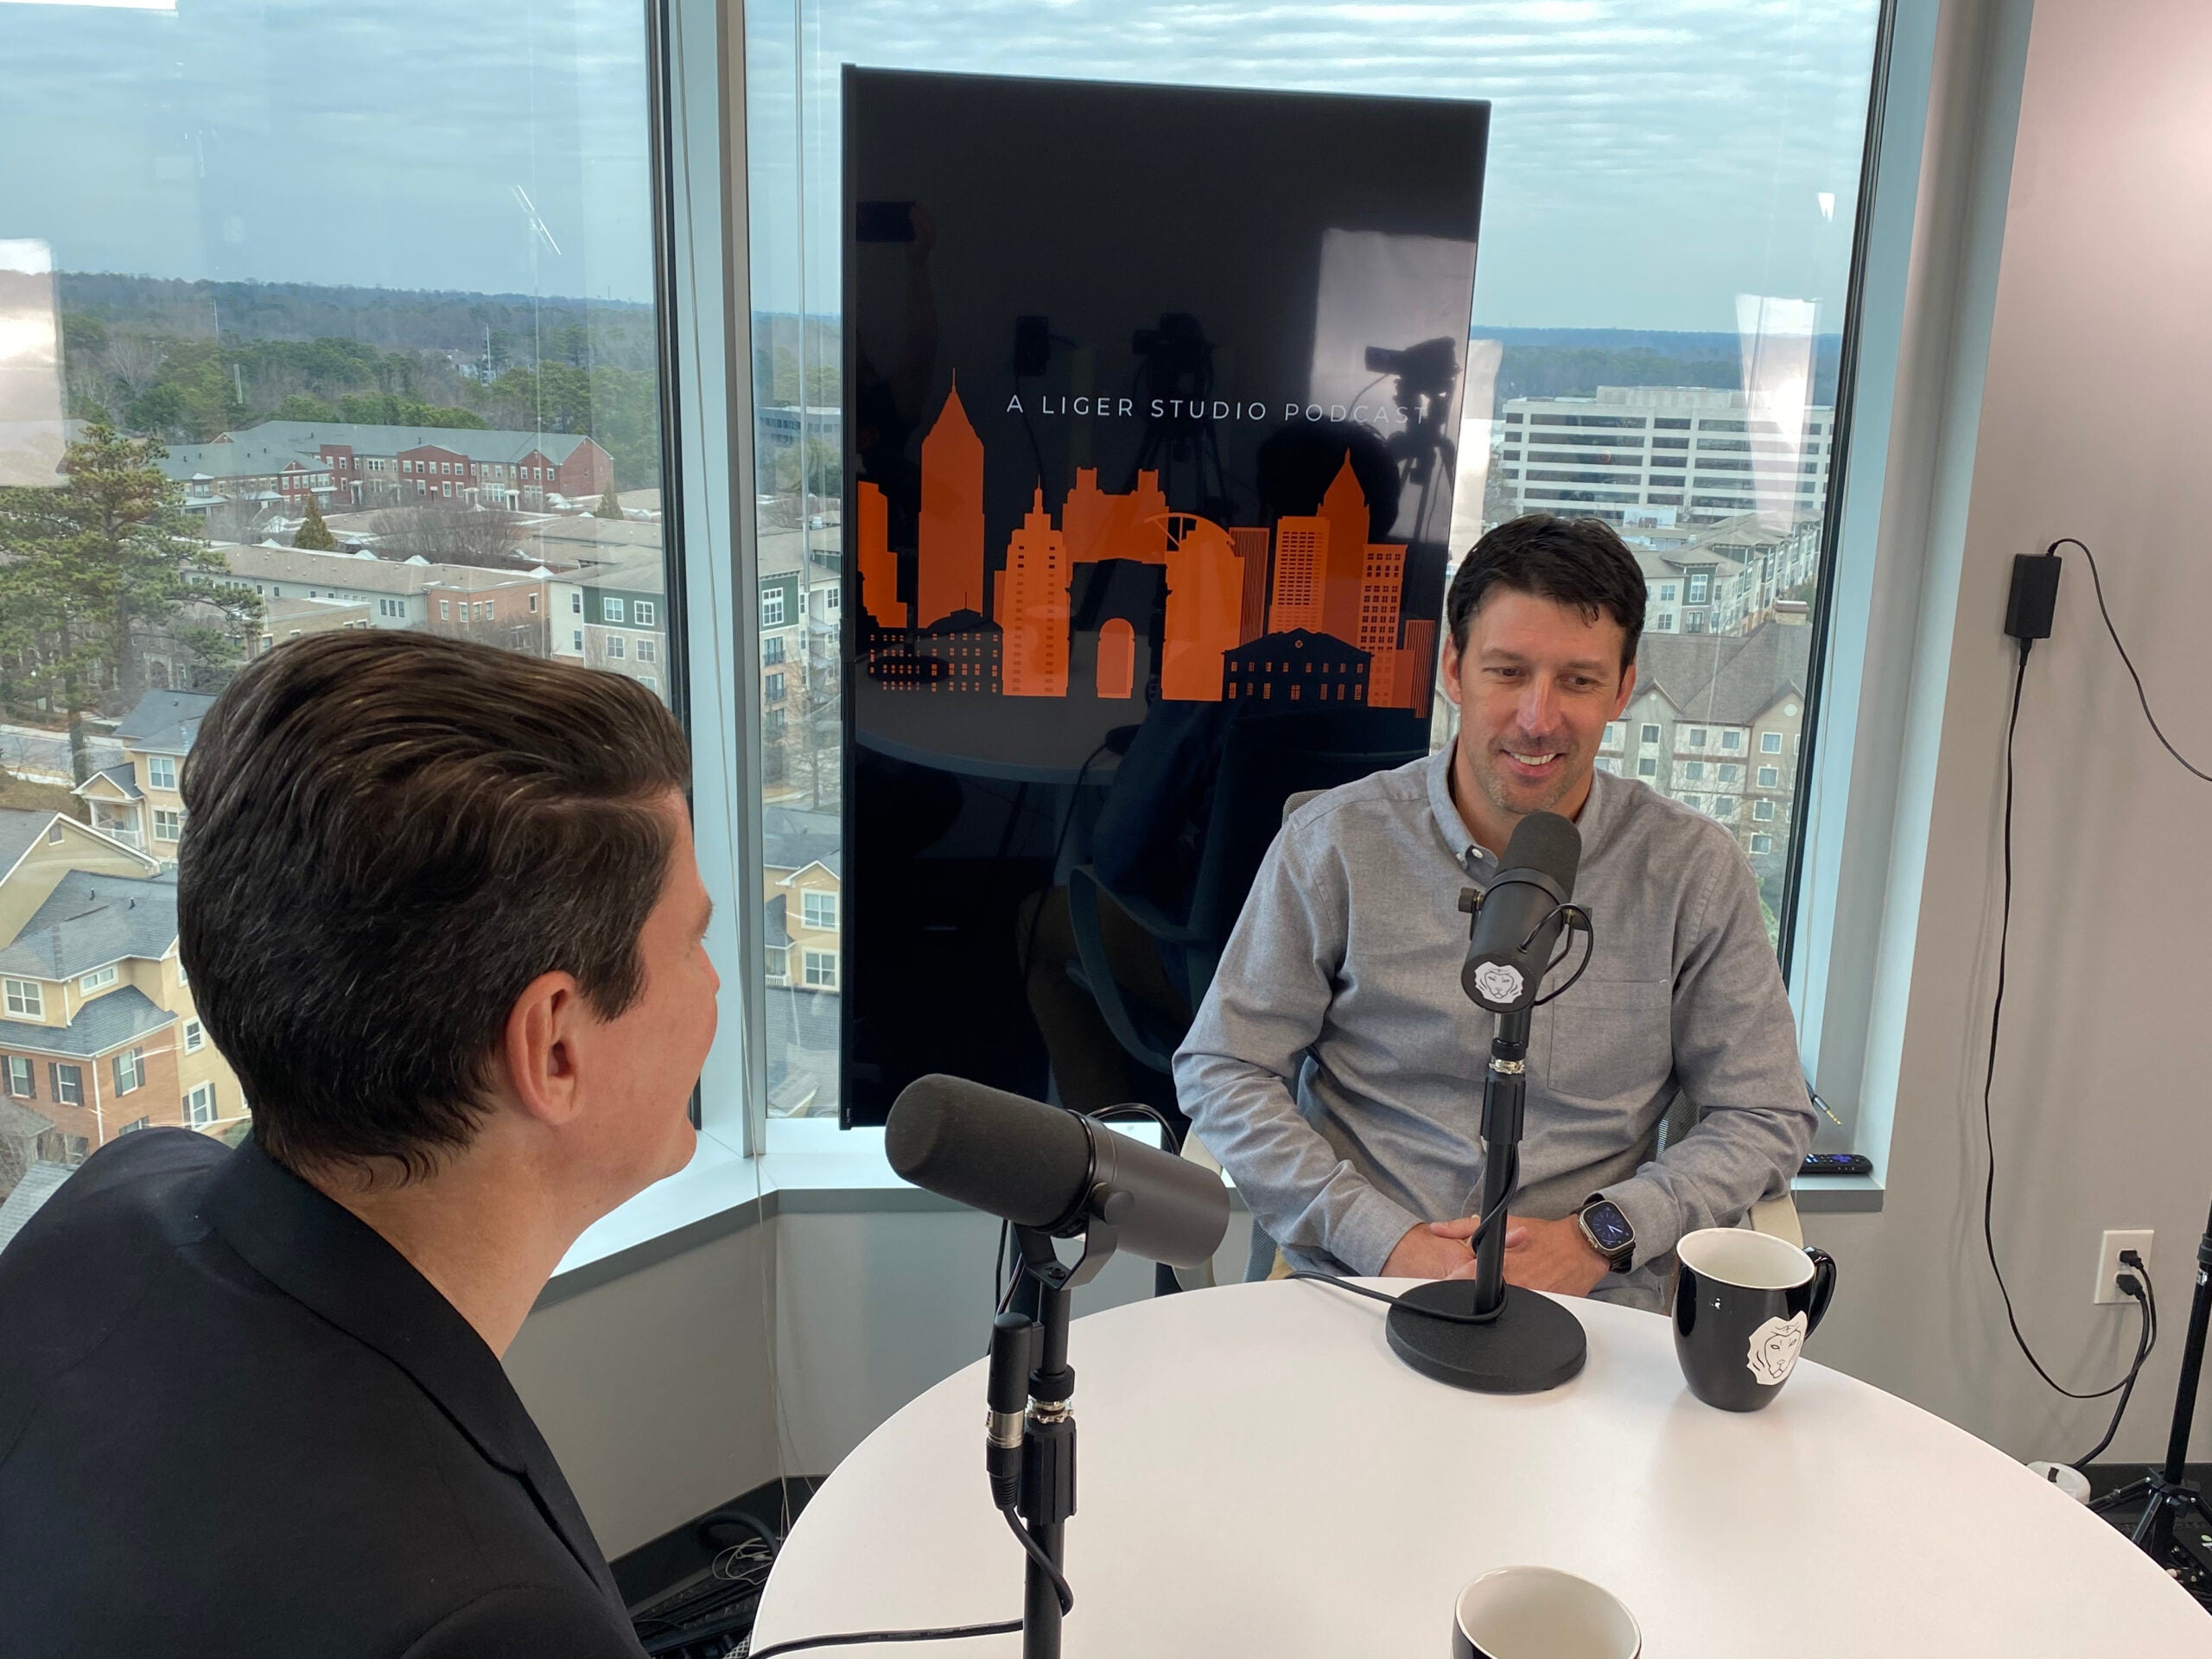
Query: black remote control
[1837, 1163]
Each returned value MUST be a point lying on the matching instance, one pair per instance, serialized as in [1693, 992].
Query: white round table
[1258, 1475]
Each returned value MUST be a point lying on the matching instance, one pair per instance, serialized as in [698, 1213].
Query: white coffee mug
[1540, 1612]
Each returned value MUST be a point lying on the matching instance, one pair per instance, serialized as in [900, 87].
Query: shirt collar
[1593, 823]
[323, 1256]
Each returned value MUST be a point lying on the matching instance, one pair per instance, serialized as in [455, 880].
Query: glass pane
[361, 329]
[1667, 237]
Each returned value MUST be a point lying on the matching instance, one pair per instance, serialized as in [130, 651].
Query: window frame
[24, 998]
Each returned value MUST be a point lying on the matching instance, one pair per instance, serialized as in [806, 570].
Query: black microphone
[1053, 1170]
[1517, 920]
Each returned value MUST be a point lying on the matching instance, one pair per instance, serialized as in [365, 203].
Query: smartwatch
[1608, 1231]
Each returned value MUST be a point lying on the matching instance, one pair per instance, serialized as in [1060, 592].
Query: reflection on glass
[376, 355]
[1627, 207]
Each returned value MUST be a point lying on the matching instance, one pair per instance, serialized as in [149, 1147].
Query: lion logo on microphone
[1498, 982]
[1774, 1348]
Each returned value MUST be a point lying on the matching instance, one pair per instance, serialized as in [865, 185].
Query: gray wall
[2100, 355]
[654, 1390]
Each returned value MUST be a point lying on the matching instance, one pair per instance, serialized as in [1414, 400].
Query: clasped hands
[1551, 1255]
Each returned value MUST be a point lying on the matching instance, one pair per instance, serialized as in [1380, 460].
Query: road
[42, 756]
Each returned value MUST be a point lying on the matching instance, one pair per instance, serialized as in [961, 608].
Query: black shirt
[234, 1422]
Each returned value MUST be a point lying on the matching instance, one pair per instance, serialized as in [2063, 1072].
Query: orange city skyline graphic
[1322, 603]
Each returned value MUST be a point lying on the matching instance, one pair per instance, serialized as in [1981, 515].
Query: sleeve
[519, 1621]
[1736, 1056]
[1236, 1071]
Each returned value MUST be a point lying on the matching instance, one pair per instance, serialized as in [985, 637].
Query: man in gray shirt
[1336, 1066]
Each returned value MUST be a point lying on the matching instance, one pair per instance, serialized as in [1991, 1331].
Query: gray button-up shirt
[1336, 1067]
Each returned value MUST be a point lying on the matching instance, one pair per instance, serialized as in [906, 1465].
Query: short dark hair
[1579, 561]
[388, 836]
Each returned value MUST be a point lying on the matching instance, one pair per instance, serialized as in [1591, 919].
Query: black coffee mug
[1745, 1302]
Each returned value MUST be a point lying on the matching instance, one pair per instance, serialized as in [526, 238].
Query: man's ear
[1448, 669]
[1628, 690]
[541, 1048]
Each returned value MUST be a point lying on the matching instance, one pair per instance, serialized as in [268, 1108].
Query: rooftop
[89, 920]
[105, 1023]
[39, 1182]
[306, 438]
[165, 721]
[1728, 679]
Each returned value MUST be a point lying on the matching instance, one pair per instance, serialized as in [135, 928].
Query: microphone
[1052, 1170]
[1517, 922]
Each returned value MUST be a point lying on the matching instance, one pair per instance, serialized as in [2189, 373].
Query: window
[67, 1081]
[1724, 805]
[1732, 741]
[1693, 771]
[1729, 774]
[19, 1076]
[1647, 768]
[199, 1106]
[129, 1070]
[445, 610]
[25, 998]
[610, 608]
[1762, 844]
[196, 1039]
[642, 613]
[772, 687]
[135, 1125]
[772, 607]
[821, 970]
[1695, 802]
[648, 649]
[576, 642]
[771, 650]
[54, 833]
[1614, 731]
[533, 604]
[1666, 593]
[168, 825]
[99, 980]
[1697, 588]
[819, 910]
[1650, 734]
[161, 770]
[1770, 777]
[1769, 742]
[1698, 737]
[616, 648]
[1762, 810]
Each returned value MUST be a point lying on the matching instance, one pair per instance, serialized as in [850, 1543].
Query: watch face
[1609, 1227]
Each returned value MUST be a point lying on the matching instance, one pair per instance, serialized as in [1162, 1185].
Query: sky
[1650, 160]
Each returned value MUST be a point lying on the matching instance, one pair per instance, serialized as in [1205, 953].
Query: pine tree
[609, 507]
[93, 570]
[313, 532]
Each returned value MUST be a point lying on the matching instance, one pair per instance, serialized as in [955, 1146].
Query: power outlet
[2108, 1266]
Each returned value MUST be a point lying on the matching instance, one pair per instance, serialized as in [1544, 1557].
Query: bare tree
[135, 359]
[449, 535]
[237, 520]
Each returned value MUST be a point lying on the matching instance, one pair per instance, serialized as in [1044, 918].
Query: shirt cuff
[1370, 1230]
[1654, 1215]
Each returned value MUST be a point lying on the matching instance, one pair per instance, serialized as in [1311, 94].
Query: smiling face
[1535, 684]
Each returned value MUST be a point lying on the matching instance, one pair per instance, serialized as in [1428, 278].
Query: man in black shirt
[441, 913]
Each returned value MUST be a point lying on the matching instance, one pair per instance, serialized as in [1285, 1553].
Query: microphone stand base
[1533, 1344]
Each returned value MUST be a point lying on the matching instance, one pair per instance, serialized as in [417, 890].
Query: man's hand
[1552, 1255]
[1439, 1251]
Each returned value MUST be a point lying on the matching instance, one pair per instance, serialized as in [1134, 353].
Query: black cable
[949, 1633]
[1474, 1240]
[1104, 1114]
[2097, 582]
[1989, 1074]
[946, 1633]
[2139, 1278]
[1044, 1562]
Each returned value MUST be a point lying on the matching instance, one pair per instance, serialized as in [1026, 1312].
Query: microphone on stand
[1482, 1333]
[1052, 1173]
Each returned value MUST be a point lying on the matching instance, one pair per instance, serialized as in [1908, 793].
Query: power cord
[2135, 1283]
[2029, 619]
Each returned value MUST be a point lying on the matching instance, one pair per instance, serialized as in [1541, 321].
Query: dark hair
[388, 836]
[1579, 561]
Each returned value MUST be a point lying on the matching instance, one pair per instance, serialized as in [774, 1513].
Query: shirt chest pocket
[1611, 1040]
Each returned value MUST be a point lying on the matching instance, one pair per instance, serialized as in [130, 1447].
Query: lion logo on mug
[1774, 1350]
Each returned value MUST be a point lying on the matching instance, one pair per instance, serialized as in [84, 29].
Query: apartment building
[1715, 723]
[98, 1033]
[137, 802]
[514, 608]
[289, 462]
[1664, 455]
[804, 938]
